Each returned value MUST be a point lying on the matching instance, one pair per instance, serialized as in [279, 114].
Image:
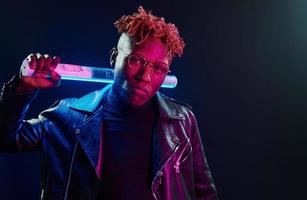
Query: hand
[44, 75]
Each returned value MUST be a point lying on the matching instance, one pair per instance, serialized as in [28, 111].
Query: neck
[119, 96]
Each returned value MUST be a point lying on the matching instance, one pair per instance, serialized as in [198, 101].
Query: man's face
[141, 83]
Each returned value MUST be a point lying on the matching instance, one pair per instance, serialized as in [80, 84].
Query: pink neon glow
[73, 70]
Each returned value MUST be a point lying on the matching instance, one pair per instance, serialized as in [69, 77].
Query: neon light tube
[89, 74]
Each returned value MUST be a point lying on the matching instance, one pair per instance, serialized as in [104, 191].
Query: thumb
[55, 78]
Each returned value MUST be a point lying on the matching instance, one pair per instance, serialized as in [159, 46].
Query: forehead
[152, 49]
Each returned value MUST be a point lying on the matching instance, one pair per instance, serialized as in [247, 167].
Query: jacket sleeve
[16, 133]
[204, 185]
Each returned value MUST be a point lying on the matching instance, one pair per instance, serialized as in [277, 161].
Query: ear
[113, 55]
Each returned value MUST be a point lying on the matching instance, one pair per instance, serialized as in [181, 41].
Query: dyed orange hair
[143, 24]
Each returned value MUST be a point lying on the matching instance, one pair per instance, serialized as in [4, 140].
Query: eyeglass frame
[128, 56]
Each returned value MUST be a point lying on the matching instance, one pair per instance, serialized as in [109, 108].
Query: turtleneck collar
[117, 98]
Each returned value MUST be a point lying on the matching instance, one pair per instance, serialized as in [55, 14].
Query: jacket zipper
[160, 171]
[70, 171]
[177, 164]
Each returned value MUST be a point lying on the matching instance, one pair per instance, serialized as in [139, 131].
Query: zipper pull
[160, 178]
[176, 166]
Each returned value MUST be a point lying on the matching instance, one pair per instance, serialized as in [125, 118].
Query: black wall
[243, 71]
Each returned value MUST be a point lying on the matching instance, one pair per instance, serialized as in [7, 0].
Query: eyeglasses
[136, 61]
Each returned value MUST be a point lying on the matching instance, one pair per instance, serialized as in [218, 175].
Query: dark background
[243, 71]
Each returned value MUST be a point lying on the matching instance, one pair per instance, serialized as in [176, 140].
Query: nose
[145, 73]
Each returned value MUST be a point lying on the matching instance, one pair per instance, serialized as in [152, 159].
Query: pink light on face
[140, 80]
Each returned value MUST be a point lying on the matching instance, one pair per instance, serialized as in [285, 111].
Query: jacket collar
[167, 108]
[165, 140]
[91, 102]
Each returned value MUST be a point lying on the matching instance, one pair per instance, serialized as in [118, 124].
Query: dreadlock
[143, 24]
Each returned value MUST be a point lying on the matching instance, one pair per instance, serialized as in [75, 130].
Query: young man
[126, 141]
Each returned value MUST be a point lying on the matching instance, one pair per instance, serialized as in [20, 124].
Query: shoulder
[86, 103]
[58, 108]
[174, 109]
[175, 102]
[180, 103]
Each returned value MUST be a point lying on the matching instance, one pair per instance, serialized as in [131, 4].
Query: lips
[139, 90]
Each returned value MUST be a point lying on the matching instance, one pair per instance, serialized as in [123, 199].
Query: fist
[44, 75]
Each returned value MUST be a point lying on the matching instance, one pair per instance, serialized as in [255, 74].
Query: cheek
[153, 86]
[129, 75]
[156, 84]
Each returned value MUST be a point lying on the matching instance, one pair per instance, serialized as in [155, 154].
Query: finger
[46, 83]
[31, 58]
[55, 78]
[47, 63]
[40, 63]
[55, 61]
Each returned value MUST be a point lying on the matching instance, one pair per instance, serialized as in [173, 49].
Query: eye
[161, 69]
[135, 60]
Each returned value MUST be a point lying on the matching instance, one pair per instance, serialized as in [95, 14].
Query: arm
[16, 133]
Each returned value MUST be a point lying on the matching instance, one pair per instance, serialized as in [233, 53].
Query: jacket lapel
[165, 141]
[89, 131]
[89, 138]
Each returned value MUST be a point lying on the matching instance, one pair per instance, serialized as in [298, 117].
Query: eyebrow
[161, 62]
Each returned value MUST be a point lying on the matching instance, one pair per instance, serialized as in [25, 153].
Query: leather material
[69, 136]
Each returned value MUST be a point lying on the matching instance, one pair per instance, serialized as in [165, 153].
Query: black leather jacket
[69, 136]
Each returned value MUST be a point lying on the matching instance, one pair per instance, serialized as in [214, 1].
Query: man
[126, 141]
